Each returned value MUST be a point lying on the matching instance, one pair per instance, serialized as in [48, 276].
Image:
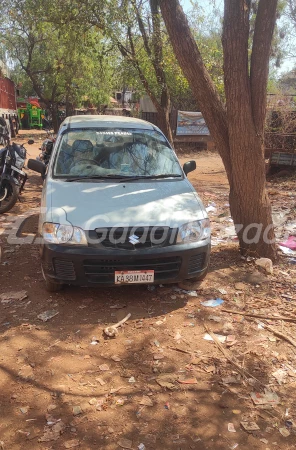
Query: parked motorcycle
[12, 177]
[46, 149]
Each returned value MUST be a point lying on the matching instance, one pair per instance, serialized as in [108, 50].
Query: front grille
[64, 270]
[103, 271]
[196, 263]
[148, 237]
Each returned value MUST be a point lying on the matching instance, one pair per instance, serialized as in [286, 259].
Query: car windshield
[114, 152]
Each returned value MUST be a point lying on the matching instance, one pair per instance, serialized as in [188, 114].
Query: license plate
[134, 276]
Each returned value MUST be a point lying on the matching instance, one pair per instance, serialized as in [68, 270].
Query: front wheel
[9, 194]
[51, 286]
[198, 278]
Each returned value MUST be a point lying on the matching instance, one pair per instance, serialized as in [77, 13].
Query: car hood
[91, 205]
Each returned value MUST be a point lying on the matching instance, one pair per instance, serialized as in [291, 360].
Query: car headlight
[56, 233]
[194, 231]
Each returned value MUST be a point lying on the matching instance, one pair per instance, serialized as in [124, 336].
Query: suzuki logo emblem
[134, 239]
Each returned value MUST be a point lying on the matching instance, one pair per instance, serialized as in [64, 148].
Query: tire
[12, 196]
[199, 277]
[51, 286]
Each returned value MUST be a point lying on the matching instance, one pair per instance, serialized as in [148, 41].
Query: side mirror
[31, 141]
[37, 166]
[189, 166]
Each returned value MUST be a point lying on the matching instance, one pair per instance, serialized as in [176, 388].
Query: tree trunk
[249, 203]
[234, 131]
[55, 117]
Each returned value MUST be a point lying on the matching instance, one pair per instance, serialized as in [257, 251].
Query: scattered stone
[188, 381]
[240, 286]
[93, 401]
[146, 401]
[256, 278]
[104, 367]
[166, 384]
[77, 410]
[51, 407]
[71, 444]
[250, 426]
[24, 409]
[266, 264]
[125, 443]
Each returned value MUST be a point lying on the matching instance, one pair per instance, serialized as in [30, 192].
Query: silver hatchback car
[117, 208]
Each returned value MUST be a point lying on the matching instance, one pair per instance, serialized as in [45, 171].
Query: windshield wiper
[96, 177]
[123, 178]
[152, 177]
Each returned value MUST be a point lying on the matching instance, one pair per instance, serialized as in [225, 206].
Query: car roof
[105, 121]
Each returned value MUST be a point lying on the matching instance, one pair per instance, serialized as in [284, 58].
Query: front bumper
[85, 266]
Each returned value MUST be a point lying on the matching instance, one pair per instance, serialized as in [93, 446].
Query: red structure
[8, 107]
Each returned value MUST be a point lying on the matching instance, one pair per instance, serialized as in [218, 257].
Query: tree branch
[193, 67]
[142, 29]
[264, 28]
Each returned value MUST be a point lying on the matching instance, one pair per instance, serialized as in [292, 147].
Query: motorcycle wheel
[8, 196]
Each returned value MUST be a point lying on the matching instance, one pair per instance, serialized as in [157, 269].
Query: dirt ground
[159, 384]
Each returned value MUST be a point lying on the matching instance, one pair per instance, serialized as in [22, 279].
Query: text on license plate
[134, 276]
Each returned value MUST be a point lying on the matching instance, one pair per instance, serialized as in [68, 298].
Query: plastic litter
[287, 251]
[112, 331]
[267, 398]
[289, 243]
[284, 432]
[220, 338]
[212, 303]
[100, 381]
[141, 447]
[231, 428]
[7, 297]
[280, 375]
[47, 315]
[222, 291]
[211, 209]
